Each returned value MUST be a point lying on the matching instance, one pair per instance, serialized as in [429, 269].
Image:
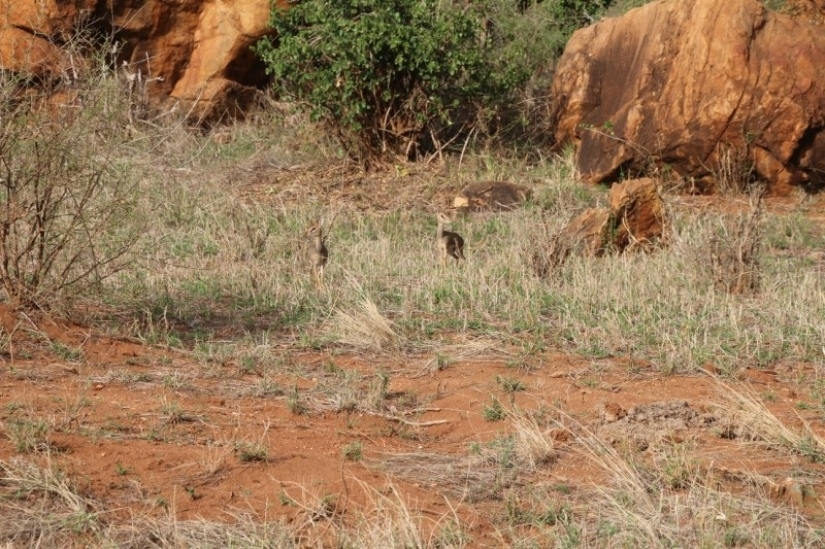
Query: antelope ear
[321, 222]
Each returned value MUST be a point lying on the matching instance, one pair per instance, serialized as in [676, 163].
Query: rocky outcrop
[679, 83]
[196, 52]
[588, 233]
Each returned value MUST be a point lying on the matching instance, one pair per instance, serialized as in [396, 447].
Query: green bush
[392, 77]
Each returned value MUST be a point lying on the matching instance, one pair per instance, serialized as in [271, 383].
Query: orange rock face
[193, 51]
[677, 81]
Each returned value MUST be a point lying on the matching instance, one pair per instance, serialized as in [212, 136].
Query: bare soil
[129, 436]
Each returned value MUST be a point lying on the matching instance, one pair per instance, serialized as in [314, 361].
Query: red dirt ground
[131, 438]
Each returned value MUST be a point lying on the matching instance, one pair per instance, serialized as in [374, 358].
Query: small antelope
[449, 243]
[318, 253]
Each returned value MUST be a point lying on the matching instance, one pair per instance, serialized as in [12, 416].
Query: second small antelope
[318, 252]
[449, 243]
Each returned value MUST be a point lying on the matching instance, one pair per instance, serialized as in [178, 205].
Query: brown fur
[318, 253]
[449, 243]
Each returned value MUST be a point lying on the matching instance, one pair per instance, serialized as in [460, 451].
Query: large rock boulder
[681, 83]
[196, 52]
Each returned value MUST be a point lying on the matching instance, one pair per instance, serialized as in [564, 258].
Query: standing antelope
[449, 243]
[318, 253]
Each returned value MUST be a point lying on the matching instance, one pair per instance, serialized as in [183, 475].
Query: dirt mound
[644, 424]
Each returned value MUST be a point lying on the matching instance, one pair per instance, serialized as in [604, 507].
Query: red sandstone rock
[677, 81]
[588, 232]
[193, 51]
[638, 213]
[635, 218]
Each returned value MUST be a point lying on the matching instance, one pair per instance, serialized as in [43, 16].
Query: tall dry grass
[221, 260]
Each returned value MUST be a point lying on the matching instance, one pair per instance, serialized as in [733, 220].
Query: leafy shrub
[391, 76]
[569, 15]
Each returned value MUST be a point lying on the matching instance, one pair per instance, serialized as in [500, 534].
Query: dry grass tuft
[747, 417]
[40, 506]
[365, 328]
[470, 478]
[735, 250]
[535, 446]
[735, 172]
[674, 502]
[390, 521]
[547, 247]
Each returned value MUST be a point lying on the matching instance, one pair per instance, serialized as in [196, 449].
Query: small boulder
[588, 232]
[635, 218]
[637, 212]
[491, 195]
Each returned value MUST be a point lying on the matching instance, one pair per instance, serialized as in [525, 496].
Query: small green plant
[251, 451]
[28, 436]
[451, 535]
[509, 385]
[354, 451]
[494, 411]
[541, 514]
[171, 412]
[734, 537]
[562, 488]
[330, 367]
[590, 382]
[810, 448]
[121, 469]
[378, 389]
[249, 364]
[294, 402]
[12, 407]
[155, 434]
[442, 362]
[268, 387]
[679, 472]
[285, 499]
[82, 522]
[326, 507]
[65, 352]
